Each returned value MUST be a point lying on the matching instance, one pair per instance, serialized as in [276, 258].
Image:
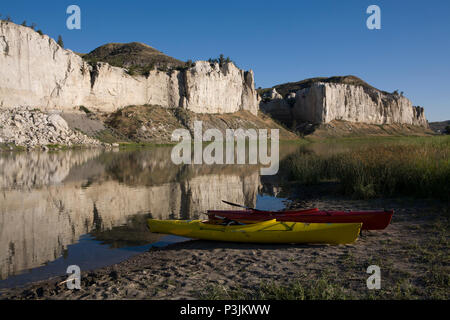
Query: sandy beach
[412, 254]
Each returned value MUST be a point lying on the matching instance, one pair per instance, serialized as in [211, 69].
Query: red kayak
[371, 220]
[252, 215]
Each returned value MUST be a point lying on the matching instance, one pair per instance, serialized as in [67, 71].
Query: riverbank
[412, 254]
[27, 129]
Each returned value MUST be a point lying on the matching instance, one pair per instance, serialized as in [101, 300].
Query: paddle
[239, 205]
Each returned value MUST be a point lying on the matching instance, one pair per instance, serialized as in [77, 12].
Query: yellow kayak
[271, 231]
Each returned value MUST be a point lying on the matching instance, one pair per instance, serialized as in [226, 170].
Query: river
[89, 207]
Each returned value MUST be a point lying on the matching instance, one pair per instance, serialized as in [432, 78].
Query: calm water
[90, 207]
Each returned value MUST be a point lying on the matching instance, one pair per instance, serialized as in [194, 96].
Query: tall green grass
[418, 167]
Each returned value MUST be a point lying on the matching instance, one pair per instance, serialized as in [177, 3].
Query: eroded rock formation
[35, 71]
[324, 102]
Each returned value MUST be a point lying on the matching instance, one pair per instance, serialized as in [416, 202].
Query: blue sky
[281, 41]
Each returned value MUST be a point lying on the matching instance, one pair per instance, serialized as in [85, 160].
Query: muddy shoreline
[412, 254]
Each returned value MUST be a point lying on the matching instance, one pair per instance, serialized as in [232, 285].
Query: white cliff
[323, 102]
[35, 71]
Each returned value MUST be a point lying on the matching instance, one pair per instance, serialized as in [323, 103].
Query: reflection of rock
[37, 225]
[36, 169]
[133, 233]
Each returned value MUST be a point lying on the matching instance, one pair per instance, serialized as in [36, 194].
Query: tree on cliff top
[221, 60]
[60, 41]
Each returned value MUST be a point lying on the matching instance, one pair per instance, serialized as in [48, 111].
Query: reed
[418, 167]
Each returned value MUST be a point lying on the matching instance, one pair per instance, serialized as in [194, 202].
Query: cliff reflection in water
[48, 200]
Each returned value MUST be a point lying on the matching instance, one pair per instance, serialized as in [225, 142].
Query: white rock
[52, 129]
[58, 122]
[325, 102]
[36, 72]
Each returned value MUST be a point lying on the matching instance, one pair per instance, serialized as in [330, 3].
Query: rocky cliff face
[324, 102]
[35, 71]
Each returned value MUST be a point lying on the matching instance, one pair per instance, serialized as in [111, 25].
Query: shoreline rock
[31, 128]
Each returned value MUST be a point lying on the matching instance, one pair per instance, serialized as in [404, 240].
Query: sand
[412, 254]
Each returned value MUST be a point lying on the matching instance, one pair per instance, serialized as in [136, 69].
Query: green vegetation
[221, 60]
[107, 136]
[137, 58]
[84, 109]
[317, 289]
[138, 145]
[60, 41]
[11, 147]
[368, 168]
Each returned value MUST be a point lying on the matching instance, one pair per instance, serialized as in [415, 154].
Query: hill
[155, 124]
[286, 88]
[134, 55]
[439, 127]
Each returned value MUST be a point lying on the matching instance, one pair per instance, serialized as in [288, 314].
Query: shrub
[85, 110]
[131, 71]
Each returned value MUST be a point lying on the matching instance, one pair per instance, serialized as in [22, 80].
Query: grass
[11, 147]
[108, 136]
[139, 145]
[320, 289]
[369, 168]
